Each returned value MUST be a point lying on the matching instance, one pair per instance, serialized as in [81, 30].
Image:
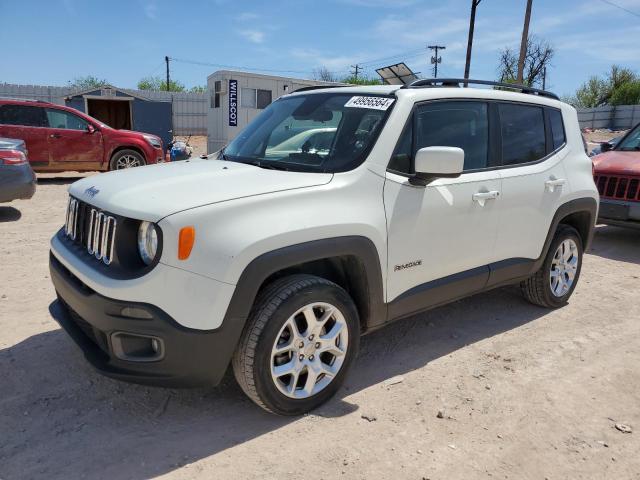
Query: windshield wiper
[258, 163]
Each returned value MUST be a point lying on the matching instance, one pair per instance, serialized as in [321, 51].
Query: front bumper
[619, 212]
[17, 182]
[185, 357]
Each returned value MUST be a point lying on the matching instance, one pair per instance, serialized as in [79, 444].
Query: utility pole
[356, 69]
[435, 60]
[472, 22]
[166, 59]
[523, 43]
[544, 78]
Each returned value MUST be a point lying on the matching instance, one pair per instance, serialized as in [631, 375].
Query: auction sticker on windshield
[376, 103]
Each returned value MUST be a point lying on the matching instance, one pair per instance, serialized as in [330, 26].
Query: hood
[155, 191]
[617, 162]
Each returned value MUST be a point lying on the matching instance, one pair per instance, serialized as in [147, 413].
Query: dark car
[17, 180]
[617, 175]
[605, 146]
[62, 138]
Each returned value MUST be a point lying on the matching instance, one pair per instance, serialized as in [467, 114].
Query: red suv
[617, 175]
[61, 138]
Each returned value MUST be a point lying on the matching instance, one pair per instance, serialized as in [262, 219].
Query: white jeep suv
[335, 212]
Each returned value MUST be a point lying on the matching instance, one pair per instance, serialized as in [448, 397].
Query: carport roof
[106, 85]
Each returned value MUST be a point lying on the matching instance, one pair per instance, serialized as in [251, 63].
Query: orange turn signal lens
[186, 239]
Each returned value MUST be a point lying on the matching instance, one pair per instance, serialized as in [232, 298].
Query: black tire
[122, 154]
[537, 288]
[273, 307]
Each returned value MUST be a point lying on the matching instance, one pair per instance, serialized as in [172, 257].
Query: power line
[235, 67]
[620, 7]
[363, 65]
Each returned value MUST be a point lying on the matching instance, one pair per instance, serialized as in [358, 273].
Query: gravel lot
[523, 392]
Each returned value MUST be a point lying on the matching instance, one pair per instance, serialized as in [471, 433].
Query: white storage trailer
[237, 97]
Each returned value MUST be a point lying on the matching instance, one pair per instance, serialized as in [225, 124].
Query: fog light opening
[134, 347]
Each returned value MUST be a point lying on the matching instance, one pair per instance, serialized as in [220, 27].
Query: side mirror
[605, 147]
[437, 162]
[90, 128]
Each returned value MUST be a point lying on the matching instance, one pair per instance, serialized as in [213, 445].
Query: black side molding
[262, 267]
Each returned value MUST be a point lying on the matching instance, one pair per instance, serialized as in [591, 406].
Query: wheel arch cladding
[579, 214]
[352, 262]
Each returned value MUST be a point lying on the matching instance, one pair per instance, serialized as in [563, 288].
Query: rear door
[28, 123]
[533, 177]
[71, 143]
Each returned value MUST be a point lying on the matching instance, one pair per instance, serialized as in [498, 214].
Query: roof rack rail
[455, 82]
[316, 87]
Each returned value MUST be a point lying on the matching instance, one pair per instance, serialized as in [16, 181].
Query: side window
[248, 97]
[522, 130]
[264, 98]
[455, 124]
[66, 120]
[401, 158]
[557, 128]
[22, 115]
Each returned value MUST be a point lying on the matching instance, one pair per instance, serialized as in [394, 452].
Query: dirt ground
[525, 393]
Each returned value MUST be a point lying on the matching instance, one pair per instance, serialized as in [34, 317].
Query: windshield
[320, 132]
[631, 142]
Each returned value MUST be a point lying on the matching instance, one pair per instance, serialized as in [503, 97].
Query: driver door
[441, 237]
[71, 144]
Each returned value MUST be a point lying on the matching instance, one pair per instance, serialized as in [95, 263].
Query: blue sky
[51, 42]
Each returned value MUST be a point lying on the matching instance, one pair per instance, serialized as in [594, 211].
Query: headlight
[147, 242]
[153, 141]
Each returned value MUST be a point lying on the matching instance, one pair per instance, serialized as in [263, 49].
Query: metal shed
[237, 97]
[124, 110]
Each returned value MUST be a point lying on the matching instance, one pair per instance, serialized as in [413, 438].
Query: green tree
[158, 84]
[361, 80]
[198, 89]
[592, 93]
[87, 82]
[627, 94]
[619, 87]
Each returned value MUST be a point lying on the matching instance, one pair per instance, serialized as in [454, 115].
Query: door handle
[553, 183]
[482, 197]
[55, 135]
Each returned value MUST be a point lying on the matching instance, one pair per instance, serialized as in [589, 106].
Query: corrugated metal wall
[189, 109]
[619, 117]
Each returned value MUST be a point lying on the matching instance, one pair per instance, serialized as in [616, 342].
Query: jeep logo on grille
[92, 191]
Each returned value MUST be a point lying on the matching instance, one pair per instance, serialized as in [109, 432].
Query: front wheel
[300, 339]
[553, 284]
[126, 159]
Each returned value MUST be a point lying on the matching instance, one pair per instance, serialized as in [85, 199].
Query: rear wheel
[553, 284]
[300, 339]
[126, 159]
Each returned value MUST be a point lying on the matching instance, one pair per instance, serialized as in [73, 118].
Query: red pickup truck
[617, 175]
[61, 138]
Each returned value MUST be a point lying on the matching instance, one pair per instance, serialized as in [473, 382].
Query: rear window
[523, 136]
[22, 115]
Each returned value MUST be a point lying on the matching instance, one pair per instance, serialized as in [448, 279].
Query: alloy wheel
[127, 161]
[564, 267]
[309, 350]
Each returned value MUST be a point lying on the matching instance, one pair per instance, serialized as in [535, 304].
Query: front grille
[618, 187]
[91, 228]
